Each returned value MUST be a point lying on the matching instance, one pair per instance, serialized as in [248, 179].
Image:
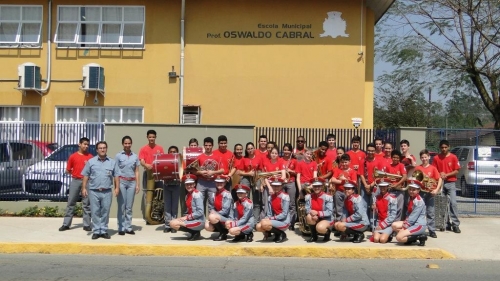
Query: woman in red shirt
[248, 168]
[290, 187]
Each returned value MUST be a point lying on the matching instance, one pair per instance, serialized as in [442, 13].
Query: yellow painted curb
[224, 251]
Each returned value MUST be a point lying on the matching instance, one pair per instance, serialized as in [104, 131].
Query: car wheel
[466, 189]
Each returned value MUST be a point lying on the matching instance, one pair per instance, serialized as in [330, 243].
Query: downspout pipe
[49, 49]
[181, 74]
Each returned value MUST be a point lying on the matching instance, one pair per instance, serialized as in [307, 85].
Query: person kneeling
[242, 221]
[222, 202]
[354, 219]
[413, 228]
[386, 206]
[193, 220]
[277, 219]
[319, 209]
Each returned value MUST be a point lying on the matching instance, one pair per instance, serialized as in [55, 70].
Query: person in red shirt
[147, 155]
[447, 164]
[332, 147]
[379, 147]
[397, 168]
[300, 149]
[235, 162]
[324, 162]
[384, 162]
[210, 165]
[226, 157]
[366, 172]
[432, 173]
[407, 158]
[340, 175]
[274, 165]
[290, 186]
[306, 170]
[356, 154]
[74, 167]
[248, 169]
[262, 151]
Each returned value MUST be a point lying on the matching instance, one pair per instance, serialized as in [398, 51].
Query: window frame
[191, 110]
[20, 23]
[98, 44]
[18, 117]
[101, 114]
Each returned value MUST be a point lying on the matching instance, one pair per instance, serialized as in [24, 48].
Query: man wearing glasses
[300, 148]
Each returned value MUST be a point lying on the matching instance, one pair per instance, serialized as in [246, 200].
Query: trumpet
[262, 175]
[381, 174]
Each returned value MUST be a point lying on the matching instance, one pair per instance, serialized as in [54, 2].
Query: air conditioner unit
[93, 78]
[29, 76]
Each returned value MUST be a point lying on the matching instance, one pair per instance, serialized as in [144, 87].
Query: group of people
[256, 188]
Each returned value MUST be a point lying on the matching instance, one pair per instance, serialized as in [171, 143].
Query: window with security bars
[91, 114]
[21, 25]
[191, 115]
[100, 26]
[19, 122]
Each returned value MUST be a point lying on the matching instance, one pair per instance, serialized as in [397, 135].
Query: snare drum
[189, 155]
[167, 167]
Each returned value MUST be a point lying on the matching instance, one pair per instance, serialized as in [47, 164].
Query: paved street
[82, 267]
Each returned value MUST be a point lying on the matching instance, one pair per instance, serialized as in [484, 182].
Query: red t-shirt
[446, 164]
[357, 157]
[290, 164]
[210, 163]
[332, 153]
[380, 155]
[398, 169]
[306, 170]
[249, 164]
[237, 162]
[384, 163]
[261, 155]
[429, 171]
[148, 153]
[367, 170]
[325, 164]
[349, 174]
[269, 166]
[76, 163]
[225, 158]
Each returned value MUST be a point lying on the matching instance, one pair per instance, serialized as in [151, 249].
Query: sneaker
[448, 228]
[63, 228]
[87, 228]
[432, 234]
[121, 233]
[456, 229]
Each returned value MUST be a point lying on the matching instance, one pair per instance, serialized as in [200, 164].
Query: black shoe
[121, 232]
[291, 227]
[87, 228]
[238, 238]
[221, 237]
[167, 230]
[63, 228]
[105, 236]
[389, 240]
[266, 235]
[337, 234]
[281, 237]
[313, 238]
[95, 236]
[249, 237]
[448, 228]
[456, 229]
[131, 232]
[195, 235]
[173, 231]
[433, 234]
[314, 234]
[326, 238]
[358, 238]
[411, 239]
[421, 239]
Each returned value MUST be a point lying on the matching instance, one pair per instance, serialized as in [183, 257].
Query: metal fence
[478, 181]
[33, 158]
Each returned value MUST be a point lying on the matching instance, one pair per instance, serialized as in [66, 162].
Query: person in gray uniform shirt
[98, 185]
[127, 179]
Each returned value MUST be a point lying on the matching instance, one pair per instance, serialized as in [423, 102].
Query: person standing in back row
[75, 165]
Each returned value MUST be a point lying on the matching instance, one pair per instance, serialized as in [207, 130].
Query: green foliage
[35, 211]
[32, 211]
[78, 210]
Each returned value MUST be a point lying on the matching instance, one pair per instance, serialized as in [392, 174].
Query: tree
[466, 111]
[451, 45]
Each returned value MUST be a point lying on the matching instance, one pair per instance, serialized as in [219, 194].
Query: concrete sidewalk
[41, 235]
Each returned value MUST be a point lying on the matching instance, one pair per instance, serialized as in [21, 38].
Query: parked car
[48, 179]
[479, 165]
[46, 147]
[15, 158]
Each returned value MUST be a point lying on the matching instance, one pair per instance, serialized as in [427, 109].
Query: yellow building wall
[278, 82]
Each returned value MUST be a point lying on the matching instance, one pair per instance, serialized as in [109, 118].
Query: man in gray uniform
[98, 183]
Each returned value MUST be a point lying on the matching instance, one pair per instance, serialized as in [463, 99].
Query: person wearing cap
[277, 219]
[222, 202]
[319, 209]
[354, 219]
[413, 227]
[242, 220]
[385, 205]
[194, 220]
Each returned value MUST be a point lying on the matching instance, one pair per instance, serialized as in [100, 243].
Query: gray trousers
[256, 198]
[450, 190]
[368, 200]
[429, 209]
[206, 188]
[100, 203]
[75, 188]
[171, 193]
[400, 196]
[291, 189]
[125, 201]
[339, 199]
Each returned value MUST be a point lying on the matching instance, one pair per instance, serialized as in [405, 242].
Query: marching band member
[432, 173]
[300, 148]
[248, 169]
[222, 202]
[274, 164]
[413, 228]
[242, 221]
[193, 221]
[336, 163]
[193, 143]
[306, 170]
[332, 148]
[324, 162]
[407, 158]
[386, 206]
[357, 155]
[171, 194]
[379, 147]
[262, 151]
[210, 166]
[354, 220]
[277, 219]
[290, 187]
[319, 209]
[226, 157]
[235, 162]
[385, 161]
[340, 175]
[397, 168]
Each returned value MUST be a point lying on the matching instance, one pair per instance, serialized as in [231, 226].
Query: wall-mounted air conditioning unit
[93, 78]
[29, 77]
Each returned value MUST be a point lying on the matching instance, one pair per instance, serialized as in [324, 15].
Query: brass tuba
[393, 177]
[301, 215]
[429, 184]
[154, 209]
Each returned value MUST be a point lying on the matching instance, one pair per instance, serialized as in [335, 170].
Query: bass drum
[189, 155]
[168, 167]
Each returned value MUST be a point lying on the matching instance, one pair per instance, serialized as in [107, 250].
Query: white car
[48, 179]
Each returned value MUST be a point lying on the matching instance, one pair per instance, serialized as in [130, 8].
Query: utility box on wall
[29, 76]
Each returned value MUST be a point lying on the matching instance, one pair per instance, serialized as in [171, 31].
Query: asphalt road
[60, 267]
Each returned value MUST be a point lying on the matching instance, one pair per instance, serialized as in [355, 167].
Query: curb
[225, 251]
